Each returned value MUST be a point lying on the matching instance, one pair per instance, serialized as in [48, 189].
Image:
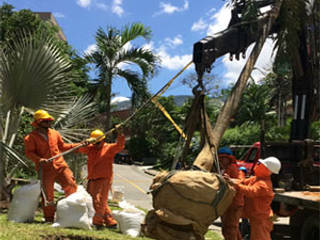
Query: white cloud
[211, 11]
[149, 46]
[102, 6]
[176, 41]
[221, 20]
[264, 62]
[168, 8]
[90, 49]
[172, 62]
[234, 68]
[199, 25]
[84, 3]
[119, 99]
[58, 15]
[117, 7]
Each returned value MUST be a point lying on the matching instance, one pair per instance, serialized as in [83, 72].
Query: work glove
[43, 161]
[119, 129]
[89, 141]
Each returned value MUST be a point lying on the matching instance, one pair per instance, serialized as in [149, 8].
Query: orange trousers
[99, 189]
[260, 228]
[230, 223]
[64, 177]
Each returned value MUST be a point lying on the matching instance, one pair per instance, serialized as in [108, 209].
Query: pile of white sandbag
[129, 219]
[24, 203]
[76, 210]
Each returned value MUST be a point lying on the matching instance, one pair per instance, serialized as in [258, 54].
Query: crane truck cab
[250, 158]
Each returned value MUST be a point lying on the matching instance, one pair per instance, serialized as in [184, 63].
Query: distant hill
[179, 100]
[122, 103]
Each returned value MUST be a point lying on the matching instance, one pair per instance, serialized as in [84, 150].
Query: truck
[297, 187]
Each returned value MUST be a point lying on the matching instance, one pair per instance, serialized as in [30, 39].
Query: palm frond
[12, 155]
[33, 74]
[144, 58]
[136, 83]
[79, 113]
[133, 31]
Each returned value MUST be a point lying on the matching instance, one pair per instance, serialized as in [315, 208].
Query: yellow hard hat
[97, 134]
[42, 115]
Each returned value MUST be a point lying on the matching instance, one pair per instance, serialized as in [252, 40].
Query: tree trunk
[262, 137]
[233, 100]
[108, 100]
[1, 175]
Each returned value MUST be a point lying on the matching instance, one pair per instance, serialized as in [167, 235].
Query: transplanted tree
[114, 51]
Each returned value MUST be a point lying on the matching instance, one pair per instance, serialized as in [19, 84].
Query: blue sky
[176, 25]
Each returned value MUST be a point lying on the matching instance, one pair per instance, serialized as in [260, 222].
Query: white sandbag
[57, 187]
[75, 210]
[117, 195]
[24, 203]
[129, 220]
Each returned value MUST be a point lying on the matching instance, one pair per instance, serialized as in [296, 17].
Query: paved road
[136, 182]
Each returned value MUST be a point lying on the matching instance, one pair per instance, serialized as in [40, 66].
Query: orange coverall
[36, 147]
[100, 175]
[230, 219]
[258, 197]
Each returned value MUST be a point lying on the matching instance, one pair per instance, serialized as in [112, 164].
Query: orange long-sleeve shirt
[258, 196]
[100, 161]
[37, 146]
[234, 172]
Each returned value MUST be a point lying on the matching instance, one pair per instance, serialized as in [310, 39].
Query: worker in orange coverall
[258, 197]
[40, 145]
[230, 219]
[100, 175]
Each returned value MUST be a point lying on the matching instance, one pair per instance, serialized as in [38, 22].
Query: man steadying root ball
[258, 197]
[100, 174]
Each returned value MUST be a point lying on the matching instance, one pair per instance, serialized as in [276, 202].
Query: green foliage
[13, 23]
[277, 133]
[254, 103]
[245, 134]
[291, 21]
[315, 130]
[153, 136]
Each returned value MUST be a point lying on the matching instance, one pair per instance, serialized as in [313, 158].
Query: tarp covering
[185, 204]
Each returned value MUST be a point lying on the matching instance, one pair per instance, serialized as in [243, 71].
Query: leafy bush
[245, 134]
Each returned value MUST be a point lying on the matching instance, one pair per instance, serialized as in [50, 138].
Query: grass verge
[43, 231]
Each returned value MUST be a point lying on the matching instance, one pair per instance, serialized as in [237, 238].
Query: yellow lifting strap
[154, 99]
[167, 115]
[158, 94]
[155, 96]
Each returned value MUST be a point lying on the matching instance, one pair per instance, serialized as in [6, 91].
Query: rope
[159, 93]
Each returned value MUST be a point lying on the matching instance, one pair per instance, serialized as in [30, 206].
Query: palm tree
[113, 51]
[35, 74]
